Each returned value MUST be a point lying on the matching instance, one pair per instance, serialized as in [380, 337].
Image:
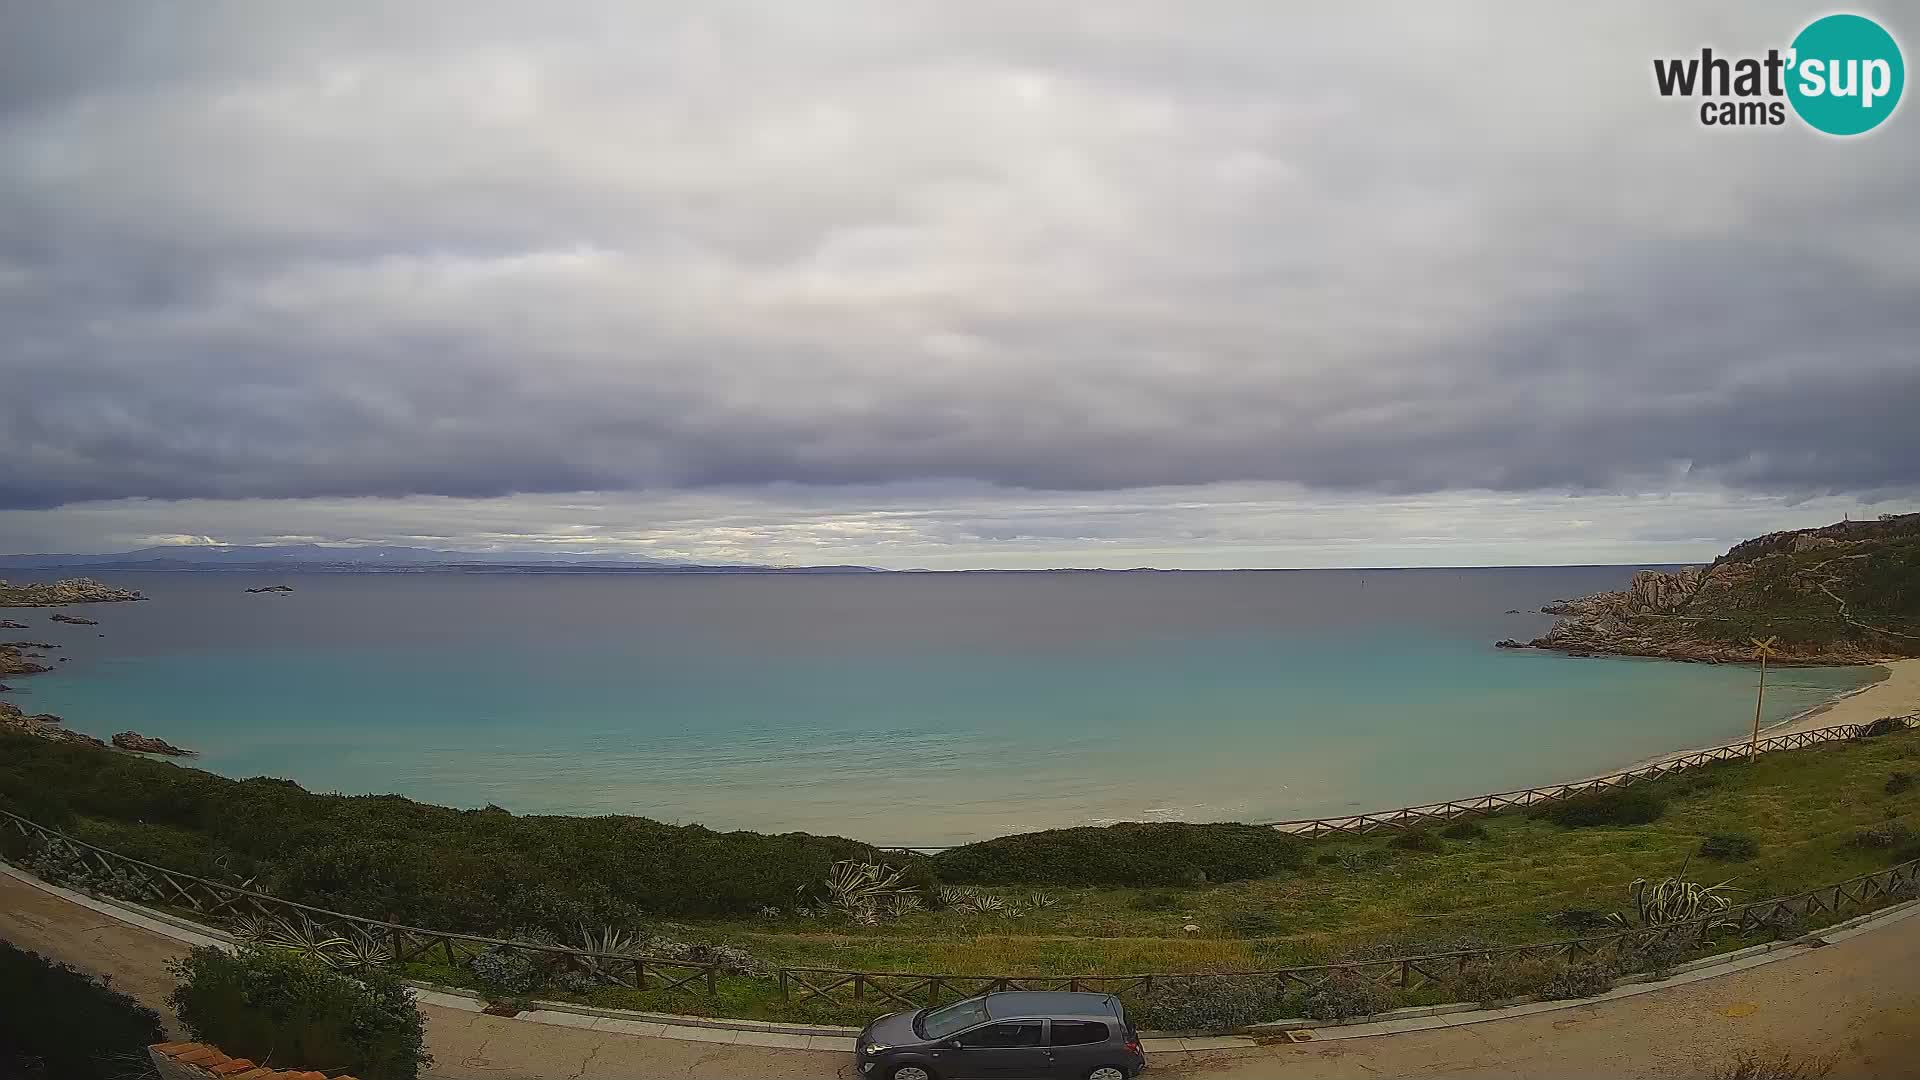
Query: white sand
[1896, 695]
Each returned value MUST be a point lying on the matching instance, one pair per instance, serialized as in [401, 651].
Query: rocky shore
[142, 744]
[41, 725]
[1829, 595]
[57, 593]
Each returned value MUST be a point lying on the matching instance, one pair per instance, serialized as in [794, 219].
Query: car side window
[1078, 1033]
[1013, 1034]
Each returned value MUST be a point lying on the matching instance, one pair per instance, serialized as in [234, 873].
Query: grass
[1348, 899]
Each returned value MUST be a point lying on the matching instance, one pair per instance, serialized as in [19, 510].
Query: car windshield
[959, 1016]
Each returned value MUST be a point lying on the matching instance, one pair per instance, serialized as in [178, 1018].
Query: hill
[1842, 594]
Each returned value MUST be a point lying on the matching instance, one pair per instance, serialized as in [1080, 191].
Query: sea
[909, 709]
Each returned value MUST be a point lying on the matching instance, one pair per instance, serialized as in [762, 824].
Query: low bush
[1209, 1004]
[1729, 847]
[1345, 996]
[1635, 805]
[1417, 840]
[1465, 829]
[1886, 725]
[1155, 901]
[1898, 782]
[1253, 924]
[1884, 836]
[287, 1011]
[1579, 920]
[1133, 853]
[61, 1024]
[1585, 979]
[1500, 976]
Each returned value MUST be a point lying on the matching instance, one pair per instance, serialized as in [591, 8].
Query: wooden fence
[1624, 950]
[238, 907]
[1413, 817]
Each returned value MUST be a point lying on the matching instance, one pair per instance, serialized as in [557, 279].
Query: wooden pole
[1765, 649]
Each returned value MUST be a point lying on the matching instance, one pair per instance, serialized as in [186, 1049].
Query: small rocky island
[75, 620]
[272, 589]
[1842, 594]
[142, 744]
[58, 593]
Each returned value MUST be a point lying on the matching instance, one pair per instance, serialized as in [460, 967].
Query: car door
[1007, 1048]
[1078, 1046]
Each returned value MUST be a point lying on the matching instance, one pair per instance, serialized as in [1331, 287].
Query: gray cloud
[255, 251]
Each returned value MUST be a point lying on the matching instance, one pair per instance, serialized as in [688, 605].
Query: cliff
[1844, 594]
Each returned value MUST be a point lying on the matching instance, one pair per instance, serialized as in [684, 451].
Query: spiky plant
[1674, 900]
[363, 951]
[609, 940]
[1038, 900]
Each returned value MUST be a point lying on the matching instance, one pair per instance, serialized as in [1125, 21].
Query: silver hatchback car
[1016, 1033]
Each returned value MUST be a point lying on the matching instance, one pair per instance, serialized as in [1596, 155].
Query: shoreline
[1896, 695]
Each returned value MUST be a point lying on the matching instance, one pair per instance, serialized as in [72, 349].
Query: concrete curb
[840, 1039]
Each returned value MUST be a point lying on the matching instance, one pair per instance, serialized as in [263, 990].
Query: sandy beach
[1896, 695]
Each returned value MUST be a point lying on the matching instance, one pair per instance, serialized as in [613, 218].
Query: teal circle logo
[1846, 74]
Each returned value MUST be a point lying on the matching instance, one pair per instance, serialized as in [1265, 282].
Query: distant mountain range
[316, 557]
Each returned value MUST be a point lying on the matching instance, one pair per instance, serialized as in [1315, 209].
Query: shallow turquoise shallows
[903, 709]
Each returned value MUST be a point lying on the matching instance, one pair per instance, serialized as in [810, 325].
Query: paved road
[1857, 1001]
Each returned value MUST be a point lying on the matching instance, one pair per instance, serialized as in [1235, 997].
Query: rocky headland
[41, 725]
[1847, 593]
[142, 744]
[57, 593]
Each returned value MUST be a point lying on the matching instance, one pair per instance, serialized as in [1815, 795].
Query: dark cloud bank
[254, 251]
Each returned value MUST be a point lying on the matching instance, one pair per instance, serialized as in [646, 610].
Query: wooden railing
[1624, 951]
[1413, 817]
[234, 906]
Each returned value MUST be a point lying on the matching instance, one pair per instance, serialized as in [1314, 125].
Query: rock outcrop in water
[70, 591]
[13, 661]
[1842, 594]
[142, 744]
[9, 624]
[42, 725]
[75, 620]
[273, 589]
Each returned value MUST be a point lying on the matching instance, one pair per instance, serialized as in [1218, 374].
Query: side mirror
[950, 1044]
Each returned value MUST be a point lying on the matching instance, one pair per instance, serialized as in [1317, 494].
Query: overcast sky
[939, 284]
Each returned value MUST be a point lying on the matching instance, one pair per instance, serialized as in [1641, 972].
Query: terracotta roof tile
[237, 1065]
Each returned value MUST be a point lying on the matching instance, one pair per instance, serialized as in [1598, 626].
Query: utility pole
[1764, 649]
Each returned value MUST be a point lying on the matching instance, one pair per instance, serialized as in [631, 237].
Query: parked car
[1016, 1033]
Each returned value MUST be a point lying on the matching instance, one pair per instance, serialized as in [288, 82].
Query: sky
[934, 284]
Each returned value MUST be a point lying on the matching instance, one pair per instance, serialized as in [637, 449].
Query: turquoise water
[902, 709]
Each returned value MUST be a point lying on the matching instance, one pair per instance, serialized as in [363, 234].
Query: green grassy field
[1349, 899]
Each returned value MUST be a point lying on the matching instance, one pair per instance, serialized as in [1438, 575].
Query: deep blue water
[908, 708]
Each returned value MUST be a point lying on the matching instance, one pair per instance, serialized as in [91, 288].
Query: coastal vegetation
[292, 1011]
[62, 1024]
[1192, 898]
[1845, 593]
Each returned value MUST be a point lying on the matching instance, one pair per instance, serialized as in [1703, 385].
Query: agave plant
[1675, 900]
[901, 904]
[301, 935]
[362, 951]
[1038, 900]
[609, 940]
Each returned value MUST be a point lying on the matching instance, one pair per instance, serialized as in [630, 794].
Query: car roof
[1007, 1004]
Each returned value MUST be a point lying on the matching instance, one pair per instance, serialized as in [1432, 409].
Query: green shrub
[1465, 829]
[1578, 920]
[1729, 847]
[1417, 840]
[1585, 979]
[1898, 782]
[60, 1023]
[1346, 995]
[1133, 853]
[1886, 835]
[1252, 924]
[1635, 805]
[1751, 1067]
[1209, 1004]
[1499, 976]
[1156, 900]
[386, 857]
[287, 1011]
[1886, 725]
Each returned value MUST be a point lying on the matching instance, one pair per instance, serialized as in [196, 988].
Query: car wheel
[1108, 1072]
[912, 1072]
